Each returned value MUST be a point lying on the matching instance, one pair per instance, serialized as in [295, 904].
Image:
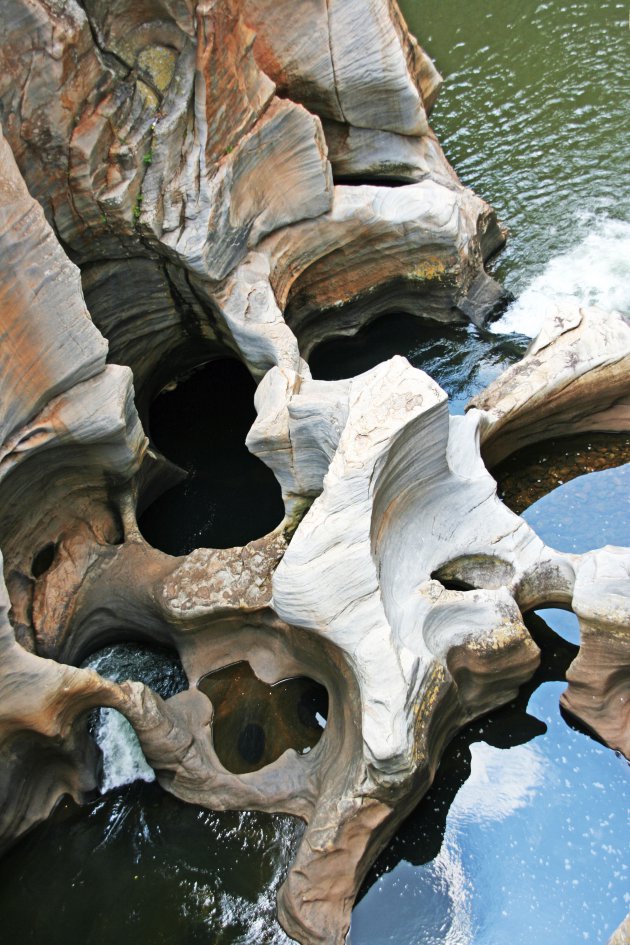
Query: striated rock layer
[196, 163]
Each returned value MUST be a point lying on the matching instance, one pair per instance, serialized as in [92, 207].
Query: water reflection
[534, 472]
[462, 359]
[586, 513]
[522, 838]
[229, 497]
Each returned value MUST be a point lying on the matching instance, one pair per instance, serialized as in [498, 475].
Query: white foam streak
[594, 272]
[254, 921]
[123, 760]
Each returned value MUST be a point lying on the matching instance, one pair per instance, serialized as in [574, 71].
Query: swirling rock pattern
[195, 161]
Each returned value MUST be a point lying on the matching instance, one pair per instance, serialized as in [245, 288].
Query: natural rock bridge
[183, 181]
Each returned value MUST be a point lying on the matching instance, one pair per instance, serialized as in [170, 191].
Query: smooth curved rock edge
[240, 243]
[622, 934]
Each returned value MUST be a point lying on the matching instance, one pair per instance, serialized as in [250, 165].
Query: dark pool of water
[524, 837]
[463, 360]
[140, 867]
[122, 758]
[229, 497]
[255, 723]
[158, 667]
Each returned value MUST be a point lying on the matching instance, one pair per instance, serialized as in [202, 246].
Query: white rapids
[596, 271]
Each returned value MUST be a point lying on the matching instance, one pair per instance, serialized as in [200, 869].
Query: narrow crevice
[376, 181]
[452, 584]
[332, 64]
[117, 63]
[43, 559]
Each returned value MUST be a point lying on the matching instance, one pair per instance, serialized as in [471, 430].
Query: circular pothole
[229, 497]
[255, 723]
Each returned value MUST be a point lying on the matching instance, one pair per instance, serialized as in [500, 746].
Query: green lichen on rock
[158, 62]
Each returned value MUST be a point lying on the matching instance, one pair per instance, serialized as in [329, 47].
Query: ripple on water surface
[139, 866]
[524, 837]
[534, 115]
[462, 359]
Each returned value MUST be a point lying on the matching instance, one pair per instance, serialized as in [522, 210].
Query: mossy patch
[429, 268]
[159, 63]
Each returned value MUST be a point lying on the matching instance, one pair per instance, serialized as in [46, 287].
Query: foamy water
[596, 271]
[123, 759]
[252, 921]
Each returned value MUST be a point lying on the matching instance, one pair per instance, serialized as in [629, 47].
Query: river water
[534, 116]
[524, 836]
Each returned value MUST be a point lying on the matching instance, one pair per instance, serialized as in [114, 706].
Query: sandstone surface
[176, 186]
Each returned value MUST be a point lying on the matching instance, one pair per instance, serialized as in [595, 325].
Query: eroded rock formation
[187, 158]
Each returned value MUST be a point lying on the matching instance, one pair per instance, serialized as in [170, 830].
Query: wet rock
[200, 206]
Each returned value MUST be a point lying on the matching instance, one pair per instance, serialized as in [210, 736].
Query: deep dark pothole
[157, 666]
[462, 359]
[43, 559]
[255, 723]
[229, 497]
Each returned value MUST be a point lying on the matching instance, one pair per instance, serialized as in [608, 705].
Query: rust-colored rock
[184, 156]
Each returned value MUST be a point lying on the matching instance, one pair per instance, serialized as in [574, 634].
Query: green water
[534, 116]
[524, 837]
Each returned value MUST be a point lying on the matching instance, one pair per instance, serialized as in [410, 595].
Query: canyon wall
[184, 181]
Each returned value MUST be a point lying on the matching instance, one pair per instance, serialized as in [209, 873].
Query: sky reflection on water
[535, 849]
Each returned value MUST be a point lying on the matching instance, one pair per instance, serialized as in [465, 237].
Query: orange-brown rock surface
[176, 185]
